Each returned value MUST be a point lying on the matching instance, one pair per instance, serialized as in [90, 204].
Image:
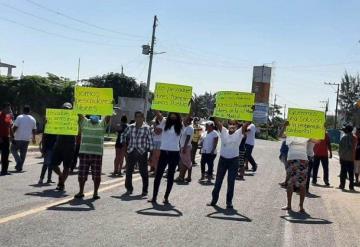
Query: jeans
[170, 158]
[248, 154]
[133, 158]
[347, 167]
[226, 165]
[16, 148]
[310, 169]
[5, 151]
[47, 164]
[325, 164]
[194, 149]
[209, 160]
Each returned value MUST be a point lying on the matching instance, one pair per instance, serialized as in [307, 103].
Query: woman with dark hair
[169, 154]
[120, 148]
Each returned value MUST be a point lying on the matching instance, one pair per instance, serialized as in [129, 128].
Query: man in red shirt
[5, 128]
[321, 152]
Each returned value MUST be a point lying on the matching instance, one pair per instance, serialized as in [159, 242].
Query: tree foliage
[349, 95]
[123, 86]
[203, 105]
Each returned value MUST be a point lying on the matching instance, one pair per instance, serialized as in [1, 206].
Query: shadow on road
[127, 198]
[249, 174]
[304, 218]
[75, 205]
[48, 193]
[161, 210]
[228, 214]
[323, 186]
[41, 185]
[312, 196]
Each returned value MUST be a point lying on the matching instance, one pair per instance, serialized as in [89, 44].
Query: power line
[55, 23]
[59, 35]
[81, 21]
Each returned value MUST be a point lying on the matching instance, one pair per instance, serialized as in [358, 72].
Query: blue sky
[210, 45]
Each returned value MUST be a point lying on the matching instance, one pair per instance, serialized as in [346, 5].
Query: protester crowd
[169, 144]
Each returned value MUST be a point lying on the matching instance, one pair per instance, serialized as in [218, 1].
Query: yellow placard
[93, 101]
[234, 105]
[172, 98]
[61, 122]
[306, 123]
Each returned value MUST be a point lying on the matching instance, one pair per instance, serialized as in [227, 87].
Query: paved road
[39, 216]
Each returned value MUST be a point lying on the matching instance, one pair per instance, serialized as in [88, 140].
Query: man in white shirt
[249, 146]
[208, 151]
[229, 161]
[24, 129]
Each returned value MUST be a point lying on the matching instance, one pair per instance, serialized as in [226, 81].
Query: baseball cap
[67, 105]
[210, 123]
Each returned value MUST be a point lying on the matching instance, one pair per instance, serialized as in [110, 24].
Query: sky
[210, 45]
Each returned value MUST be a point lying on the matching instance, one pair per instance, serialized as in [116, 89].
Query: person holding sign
[63, 152]
[140, 142]
[229, 161]
[169, 154]
[91, 151]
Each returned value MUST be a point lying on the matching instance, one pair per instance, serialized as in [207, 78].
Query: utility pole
[284, 111]
[122, 70]
[151, 53]
[337, 100]
[273, 112]
[78, 75]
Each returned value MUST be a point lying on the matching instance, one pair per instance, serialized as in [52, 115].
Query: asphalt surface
[32, 215]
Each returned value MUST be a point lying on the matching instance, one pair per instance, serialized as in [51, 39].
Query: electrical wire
[56, 23]
[82, 21]
[60, 35]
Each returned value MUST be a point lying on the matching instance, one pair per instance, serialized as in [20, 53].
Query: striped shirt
[139, 139]
[92, 137]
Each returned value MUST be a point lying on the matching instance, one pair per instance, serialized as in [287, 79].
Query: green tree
[123, 86]
[203, 105]
[349, 95]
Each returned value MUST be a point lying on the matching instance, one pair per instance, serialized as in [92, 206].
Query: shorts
[157, 145]
[357, 166]
[297, 173]
[63, 155]
[90, 160]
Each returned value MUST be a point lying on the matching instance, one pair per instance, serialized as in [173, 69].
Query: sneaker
[254, 169]
[60, 187]
[128, 192]
[79, 196]
[144, 194]
[351, 189]
[327, 184]
[179, 180]
[202, 177]
[40, 181]
[49, 181]
[188, 180]
[211, 204]
[229, 206]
